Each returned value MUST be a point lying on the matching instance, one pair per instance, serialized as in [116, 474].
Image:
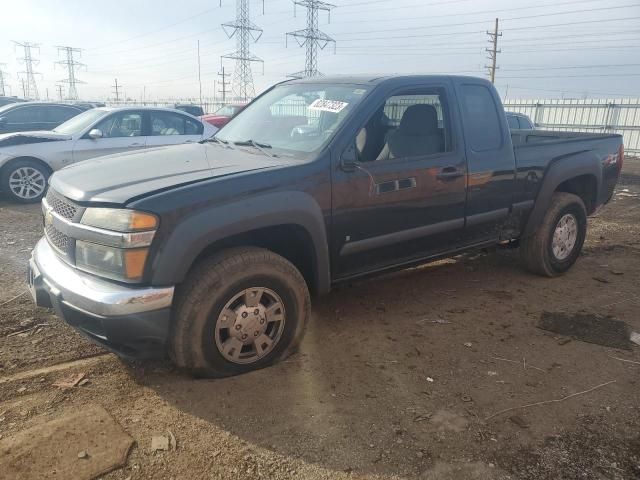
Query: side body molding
[193, 235]
[560, 170]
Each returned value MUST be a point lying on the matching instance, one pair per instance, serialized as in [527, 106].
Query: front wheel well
[290, 241]
[13, 161]
[585, 187]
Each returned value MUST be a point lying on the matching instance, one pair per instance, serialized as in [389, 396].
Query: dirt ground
[398, 377]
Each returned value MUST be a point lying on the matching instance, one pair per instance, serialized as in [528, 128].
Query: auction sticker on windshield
[333, 106]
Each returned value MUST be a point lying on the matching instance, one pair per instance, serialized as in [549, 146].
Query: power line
[29, 86]
[71, 64]
[245, 31]
[478, 22]
[465, 13]
[197, 15]
[311, 37]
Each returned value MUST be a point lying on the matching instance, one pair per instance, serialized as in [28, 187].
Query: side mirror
[95, 133]
[349, 159]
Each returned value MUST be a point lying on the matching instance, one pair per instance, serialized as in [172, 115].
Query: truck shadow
[375, 387]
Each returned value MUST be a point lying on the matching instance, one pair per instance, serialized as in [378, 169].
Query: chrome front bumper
[123, 318]
[91, 294]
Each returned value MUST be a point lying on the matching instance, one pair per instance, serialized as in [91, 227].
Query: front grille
[56, 238]
[60, 205]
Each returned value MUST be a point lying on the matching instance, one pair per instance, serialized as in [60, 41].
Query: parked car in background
[7, 100]
[222, 116]
[29, 116]
[28, 159]
[519, 121]
[195, 110]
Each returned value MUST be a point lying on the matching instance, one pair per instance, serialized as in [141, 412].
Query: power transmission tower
[30, 88]
[60, 93]
[493, 52]
[311, 37]
[245, 31]
[3, 84]
[224, 84]
[71, 64]
[116, 90]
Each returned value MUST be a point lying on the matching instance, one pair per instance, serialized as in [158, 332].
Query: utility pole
[24, 88]
[116, 90]
[224, 84]
[311, 37]
[3, 85]
[493, 52]
[245, 31]
[199, 77]
[71, 65]
[60, 92]
[29, 86]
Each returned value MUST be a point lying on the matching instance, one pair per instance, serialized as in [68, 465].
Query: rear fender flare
[561, 170]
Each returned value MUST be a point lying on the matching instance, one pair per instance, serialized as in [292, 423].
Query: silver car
[27, 159]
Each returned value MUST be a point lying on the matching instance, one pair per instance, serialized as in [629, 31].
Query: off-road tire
[210, 285]
[536, 252]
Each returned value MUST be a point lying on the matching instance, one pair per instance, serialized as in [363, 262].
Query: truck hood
[25, 138]
[122, 177]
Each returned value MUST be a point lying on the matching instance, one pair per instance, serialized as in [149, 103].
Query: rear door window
[59, 114]
[525, 124]
[169, 123]
[26, 114]
[512, 120]
[482, 122]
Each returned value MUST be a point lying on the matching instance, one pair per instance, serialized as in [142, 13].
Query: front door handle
[136, 144]
[188, 141]
[449, 173]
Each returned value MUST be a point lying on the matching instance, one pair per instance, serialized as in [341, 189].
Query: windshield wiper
[217, 140]
[257, 145]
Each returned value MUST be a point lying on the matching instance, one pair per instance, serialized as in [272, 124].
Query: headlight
[110, 248]
[119, 220]
[116, 263]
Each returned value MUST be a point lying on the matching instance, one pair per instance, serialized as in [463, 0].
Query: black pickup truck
[210, 251]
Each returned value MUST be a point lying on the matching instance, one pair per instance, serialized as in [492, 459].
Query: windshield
[299, 118]
[80, 122]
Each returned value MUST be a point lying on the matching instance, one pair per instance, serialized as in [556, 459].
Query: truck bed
[537, 150]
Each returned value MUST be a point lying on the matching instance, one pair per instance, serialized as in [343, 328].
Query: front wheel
[238, 311]
[556, 244]
[25, 181]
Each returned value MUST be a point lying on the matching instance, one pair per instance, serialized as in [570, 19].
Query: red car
[223, 115]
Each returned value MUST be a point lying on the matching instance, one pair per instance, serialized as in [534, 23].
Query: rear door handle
[188, 141]
[136, 144]
[449, 173]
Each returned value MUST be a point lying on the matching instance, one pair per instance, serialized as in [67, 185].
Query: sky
[549, 49]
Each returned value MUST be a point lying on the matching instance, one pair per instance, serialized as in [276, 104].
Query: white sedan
[27, 159]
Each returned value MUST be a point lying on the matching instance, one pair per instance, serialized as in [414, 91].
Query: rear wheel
[556, 244]
[25, 181]
[238, 311]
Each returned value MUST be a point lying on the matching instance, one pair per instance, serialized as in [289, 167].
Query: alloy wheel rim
[27, 183]
[250, 325]
[565, 236]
